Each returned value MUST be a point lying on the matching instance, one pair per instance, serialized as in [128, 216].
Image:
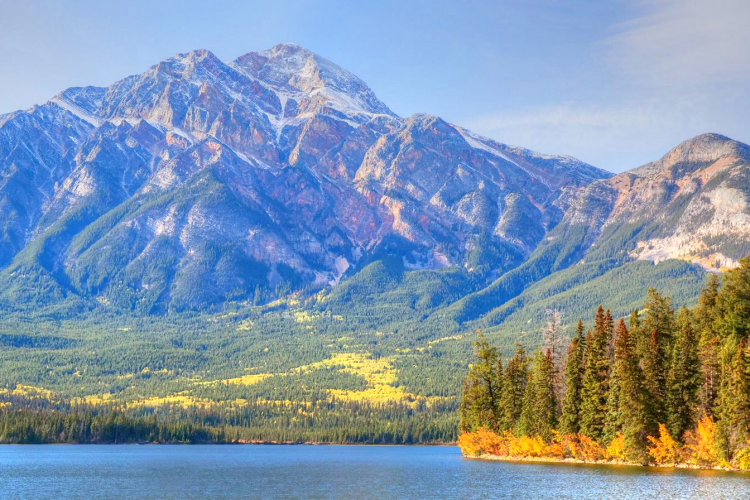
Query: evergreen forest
[663, 386]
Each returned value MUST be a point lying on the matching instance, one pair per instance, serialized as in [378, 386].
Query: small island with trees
[662, 388]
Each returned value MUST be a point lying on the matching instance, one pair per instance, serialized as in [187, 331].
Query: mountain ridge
[198, 183]
[324, 172]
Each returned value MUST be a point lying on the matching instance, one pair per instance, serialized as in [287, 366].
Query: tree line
[662, 386]
[34, 421]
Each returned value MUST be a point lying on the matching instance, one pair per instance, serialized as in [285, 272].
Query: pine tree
[683, 379]
[595, 379]
[515, 380]
[707, 310]
[609, 330]
[570, 420]
[655, 381]
[632, 415]
[525, 423]
[539, 414]
[709, 345]
[613, 420]
[654, 346]
[482, 389]
[635, 325]
[734, 399]
[733, 302]
[545, 401]
[659, 316]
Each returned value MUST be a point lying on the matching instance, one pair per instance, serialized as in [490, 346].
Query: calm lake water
[329, 472]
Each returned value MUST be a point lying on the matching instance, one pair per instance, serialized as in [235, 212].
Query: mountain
[687, 212]
[201, 182]
[703, 186]
[265, 240]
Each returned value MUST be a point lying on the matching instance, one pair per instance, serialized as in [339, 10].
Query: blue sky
[616, 83]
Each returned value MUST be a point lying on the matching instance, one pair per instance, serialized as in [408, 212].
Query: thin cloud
[684, 42]
[676, 69]
[632, 132]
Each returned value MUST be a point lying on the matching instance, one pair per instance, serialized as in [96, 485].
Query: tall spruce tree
[709, 345]
[515, 380]
[659, 318]
[659, 315]
[595, 390]
[632, 415]
[539, 414]
[525, 423]
[641, 337]
[570, 420]
[613, 420]
[707, 310]
[482, 390]
[654, 364]
[683, 379]
[734, 399]
[546, 397]
[609, 331]
[654, 345]
[733, 302]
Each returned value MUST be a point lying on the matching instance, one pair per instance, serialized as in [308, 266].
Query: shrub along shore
[578, 448]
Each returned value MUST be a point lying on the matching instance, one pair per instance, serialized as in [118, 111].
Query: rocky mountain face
[691, 205]
[200, 182]
[704, 186]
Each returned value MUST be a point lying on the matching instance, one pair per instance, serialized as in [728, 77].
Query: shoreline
[574, 461]
[247, 443]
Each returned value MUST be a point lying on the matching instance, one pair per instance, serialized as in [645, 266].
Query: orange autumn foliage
[526, 447]
[556, 449]
[571, 446]
[742, 460]
[702, 446]
[482, 442]
[590, 450]
[665, 449]
[616, 448]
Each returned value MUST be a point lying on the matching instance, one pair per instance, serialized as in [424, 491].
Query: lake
[256, 471]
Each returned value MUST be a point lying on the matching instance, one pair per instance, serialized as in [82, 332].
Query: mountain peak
[706, 147]
[710, 143]
[186, 64]
[292, 68]
[701, 149]
[288, 49]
